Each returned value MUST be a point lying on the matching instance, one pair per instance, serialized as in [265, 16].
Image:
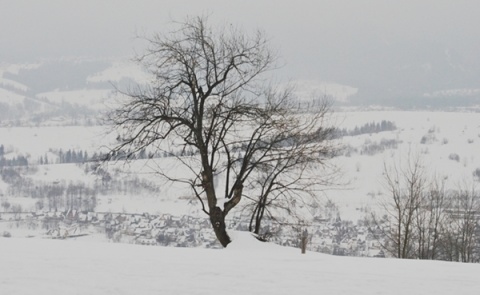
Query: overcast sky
[328, 40]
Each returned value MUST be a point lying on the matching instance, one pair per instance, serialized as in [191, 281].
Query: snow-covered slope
[92, 98]
[120, 70]
[10, 98]
[449, 133]
[433, 137]
[33, 266]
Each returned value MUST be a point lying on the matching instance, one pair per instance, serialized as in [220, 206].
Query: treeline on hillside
[81, 157]
[51, 196]
[15, 161]
[76, 195]
[368, 128]
[60, 156]
[19, 160]
[64, 157]
[33, 111]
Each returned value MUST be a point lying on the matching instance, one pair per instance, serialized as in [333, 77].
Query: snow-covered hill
[32, 266]
[447, 143]
[68, 91]
[57, 181]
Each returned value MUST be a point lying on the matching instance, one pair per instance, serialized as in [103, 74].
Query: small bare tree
[406, 185]
[430, 221]
[208, 97]
[294, 179]
[460, 237]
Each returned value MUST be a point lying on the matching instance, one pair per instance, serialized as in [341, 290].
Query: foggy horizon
[385, 49]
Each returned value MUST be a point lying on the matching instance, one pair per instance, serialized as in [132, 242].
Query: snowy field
[448, 133]
[53, 267]
[90, 265]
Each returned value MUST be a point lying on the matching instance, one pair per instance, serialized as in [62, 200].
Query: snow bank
[35, 266]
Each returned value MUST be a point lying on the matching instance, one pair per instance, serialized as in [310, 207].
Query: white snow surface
[305, 89]
[120, 70]
[454, 93]
[15, 68]
[9, 97]
[452, 132]
[36, 141]
[93, 98]
[11, 83]
[89, 266]
[246, 266]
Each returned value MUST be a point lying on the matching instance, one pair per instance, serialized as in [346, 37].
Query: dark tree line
[373, 148]
[368, 128]
[19, 160]
[13, 162]
[69, 156]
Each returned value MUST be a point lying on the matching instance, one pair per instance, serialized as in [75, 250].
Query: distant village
[331, 236]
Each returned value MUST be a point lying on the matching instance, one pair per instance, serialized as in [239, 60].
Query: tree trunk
[257, 215]
[217, 218]
[252, 218]
[258, 222]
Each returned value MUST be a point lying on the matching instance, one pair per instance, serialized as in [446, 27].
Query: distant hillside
[73, 91]
[61, 92]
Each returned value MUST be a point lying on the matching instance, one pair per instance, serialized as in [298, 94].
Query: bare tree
[460, 238]
[295, 178]
[430, 221]
[207, 97]
[406, 185]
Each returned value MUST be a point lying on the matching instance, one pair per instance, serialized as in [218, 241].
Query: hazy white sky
[334, 40]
